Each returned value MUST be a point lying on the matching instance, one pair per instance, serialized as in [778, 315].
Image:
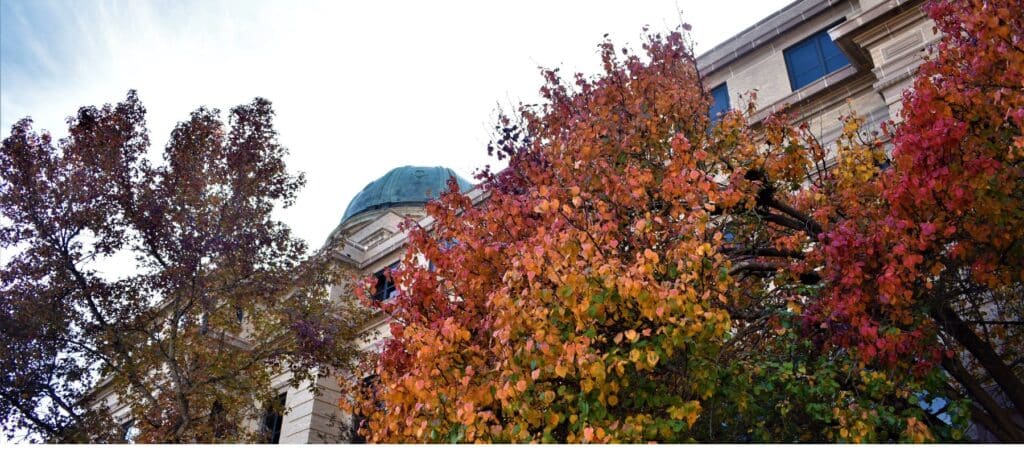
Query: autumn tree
[926, 265]
[166, 283]
[638, 273]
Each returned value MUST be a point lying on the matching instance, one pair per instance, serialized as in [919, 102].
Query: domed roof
[406, 185]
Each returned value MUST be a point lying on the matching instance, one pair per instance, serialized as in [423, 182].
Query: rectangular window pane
[368, 384]
[384, 287]
[834, 57]
[129, 431]
[813, 58]
[273, 418]
[720, 102]
[804, 63]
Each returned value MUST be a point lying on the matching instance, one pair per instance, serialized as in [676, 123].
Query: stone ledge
[806, 93]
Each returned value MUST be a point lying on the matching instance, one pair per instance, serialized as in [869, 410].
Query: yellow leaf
[794, 307]
[676, 412]
[586, 385]
[689, 411]
[652, 358]
[552, 419]
[634, 356]
[561, 370]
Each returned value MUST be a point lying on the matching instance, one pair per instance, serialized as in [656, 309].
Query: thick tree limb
[986, 355]
[809, 225]
[769, 252]
[754, 267]
[1000, 422]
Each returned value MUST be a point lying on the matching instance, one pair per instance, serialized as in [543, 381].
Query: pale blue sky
[359, 87]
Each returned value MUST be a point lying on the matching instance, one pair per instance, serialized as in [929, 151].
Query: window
[719, 103]
[813, 58]
[218, 420]
[369, 384]
[448, 244]
[358, 421]
[385, 287]
[129, 432]
[273, 417]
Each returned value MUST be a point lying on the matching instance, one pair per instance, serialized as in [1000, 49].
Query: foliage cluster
[639, 273]
[167, 284]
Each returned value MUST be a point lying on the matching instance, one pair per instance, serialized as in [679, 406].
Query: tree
[933, 259]
[638, 273]
[167, 284]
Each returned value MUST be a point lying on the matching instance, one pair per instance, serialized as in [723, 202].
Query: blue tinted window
[813, 58]
[834, 58]
[720, 103]
[804, 63]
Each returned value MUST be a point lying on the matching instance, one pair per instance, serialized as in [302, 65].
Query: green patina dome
[406, 185]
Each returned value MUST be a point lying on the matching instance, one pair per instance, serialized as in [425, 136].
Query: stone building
[820, 59]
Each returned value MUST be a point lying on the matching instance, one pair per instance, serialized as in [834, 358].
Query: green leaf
[565, 291]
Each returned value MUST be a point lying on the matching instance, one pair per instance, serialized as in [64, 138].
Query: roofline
[767, 29]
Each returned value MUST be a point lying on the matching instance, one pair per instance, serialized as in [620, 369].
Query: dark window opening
[129, 432]
[812, 59]
[272, 420]
[218, 420]
[384, 287]
[359, 421]
[719, 103]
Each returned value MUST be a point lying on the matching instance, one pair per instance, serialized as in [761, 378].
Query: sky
[358, 87]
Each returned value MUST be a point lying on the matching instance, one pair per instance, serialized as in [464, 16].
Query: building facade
[817, 59]
[822, 59]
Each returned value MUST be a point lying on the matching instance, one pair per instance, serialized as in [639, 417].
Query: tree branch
[950, 321]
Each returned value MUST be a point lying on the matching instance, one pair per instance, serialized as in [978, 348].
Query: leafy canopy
[637, 273]
[166, 286]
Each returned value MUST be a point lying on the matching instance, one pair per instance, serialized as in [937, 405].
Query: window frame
[129, 432]
[815, 40]
[368, 384]
[387, 291]
[715, 117]
[273, 419]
